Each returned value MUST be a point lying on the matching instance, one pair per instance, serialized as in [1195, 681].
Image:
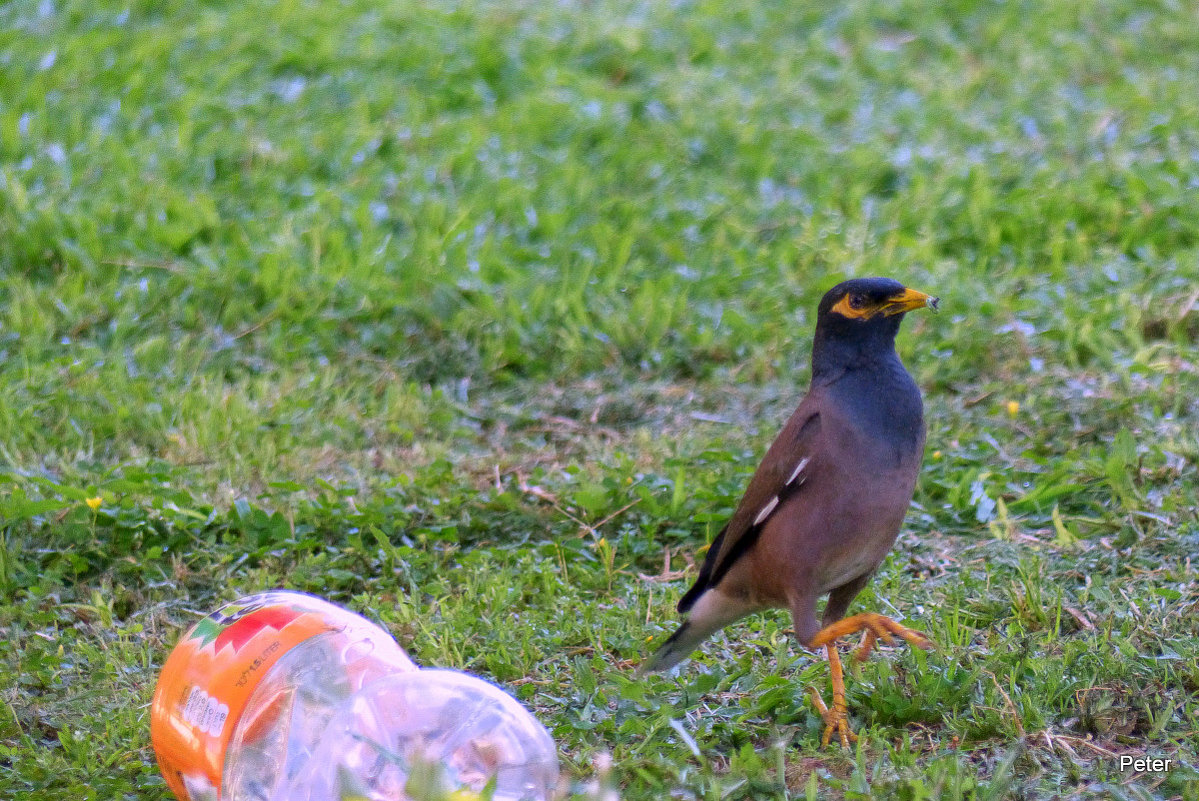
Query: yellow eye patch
[904, 301]
[843, 308]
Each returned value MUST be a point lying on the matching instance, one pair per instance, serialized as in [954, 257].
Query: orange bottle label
[209, 677]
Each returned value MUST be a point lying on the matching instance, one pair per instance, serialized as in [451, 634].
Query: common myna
[827, 501]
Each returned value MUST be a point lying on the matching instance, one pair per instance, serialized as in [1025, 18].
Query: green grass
[406, 303]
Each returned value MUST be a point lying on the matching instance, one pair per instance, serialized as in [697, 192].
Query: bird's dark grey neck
[835, 351]
[865, 377]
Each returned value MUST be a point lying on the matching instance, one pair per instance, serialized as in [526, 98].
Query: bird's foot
[875, 627]
[835, 720]
[884, 628]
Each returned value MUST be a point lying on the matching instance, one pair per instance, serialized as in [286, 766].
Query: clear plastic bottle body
[282, 696]
[290, 709]
[333, 719]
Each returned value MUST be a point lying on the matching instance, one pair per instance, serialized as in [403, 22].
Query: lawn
[476, 317]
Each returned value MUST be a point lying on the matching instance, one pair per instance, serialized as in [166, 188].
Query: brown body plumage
[827, 501]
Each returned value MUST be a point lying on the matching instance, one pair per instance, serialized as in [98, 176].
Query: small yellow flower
[1013, 408]
[94, 503]
[936, 454]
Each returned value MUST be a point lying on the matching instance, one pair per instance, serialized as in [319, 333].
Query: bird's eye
[856, 301]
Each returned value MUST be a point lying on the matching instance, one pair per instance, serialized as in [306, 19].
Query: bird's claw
[879, 627]
[836, 719]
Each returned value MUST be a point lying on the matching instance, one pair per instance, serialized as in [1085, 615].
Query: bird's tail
[674, 650]
[712, 612]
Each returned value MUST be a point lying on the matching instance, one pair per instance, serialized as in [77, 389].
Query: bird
[827, 501]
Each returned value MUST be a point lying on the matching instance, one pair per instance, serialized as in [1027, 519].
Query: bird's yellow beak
[909, 300]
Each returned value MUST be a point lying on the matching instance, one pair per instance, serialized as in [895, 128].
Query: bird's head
[859, 319]
[862, 301]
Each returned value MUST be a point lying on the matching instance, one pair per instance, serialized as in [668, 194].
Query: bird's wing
[780, 475]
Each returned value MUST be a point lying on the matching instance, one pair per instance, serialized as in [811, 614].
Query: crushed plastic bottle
[283, 696]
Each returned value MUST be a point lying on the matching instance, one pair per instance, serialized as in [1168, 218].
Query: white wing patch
[774, 502]
[766, 510]
[802, 464]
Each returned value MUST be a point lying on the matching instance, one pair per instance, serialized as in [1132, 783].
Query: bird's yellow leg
[874, 627]
[836, 719]
[877, 627]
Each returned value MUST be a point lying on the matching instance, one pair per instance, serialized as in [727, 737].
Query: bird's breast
[862, 521]
[847, 516]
